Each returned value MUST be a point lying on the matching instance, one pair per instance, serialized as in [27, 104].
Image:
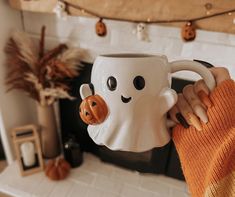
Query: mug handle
[195, 67]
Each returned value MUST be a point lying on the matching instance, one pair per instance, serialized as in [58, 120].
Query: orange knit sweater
[208, 156]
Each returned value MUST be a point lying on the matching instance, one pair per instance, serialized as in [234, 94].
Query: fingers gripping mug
[136, 89]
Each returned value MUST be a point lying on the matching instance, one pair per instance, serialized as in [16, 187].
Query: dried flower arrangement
[44, 76]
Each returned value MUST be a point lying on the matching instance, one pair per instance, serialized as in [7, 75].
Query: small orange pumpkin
[100, 28]
[57, 169]
[93, 110]
[188, 31]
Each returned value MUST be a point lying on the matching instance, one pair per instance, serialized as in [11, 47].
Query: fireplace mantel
[93, 178]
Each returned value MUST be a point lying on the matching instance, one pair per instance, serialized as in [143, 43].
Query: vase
[50, 141]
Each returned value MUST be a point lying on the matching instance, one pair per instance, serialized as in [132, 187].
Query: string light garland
[208, 7]
[148, 20]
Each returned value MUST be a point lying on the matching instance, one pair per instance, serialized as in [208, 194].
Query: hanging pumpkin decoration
[93, 110]
[188, 31]
[100, 28]
[57, 169]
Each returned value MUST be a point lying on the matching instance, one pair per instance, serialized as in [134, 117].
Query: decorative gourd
[188, 31]
[100, 28]
[93, 110]
[57, 169]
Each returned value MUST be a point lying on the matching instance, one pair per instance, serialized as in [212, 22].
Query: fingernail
[194, 121]
[201, 113]
[205, 98]
[182, 120]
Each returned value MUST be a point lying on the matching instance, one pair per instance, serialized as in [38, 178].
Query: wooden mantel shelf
[144, 9]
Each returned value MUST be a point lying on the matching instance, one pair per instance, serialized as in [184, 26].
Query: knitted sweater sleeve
[208, 156]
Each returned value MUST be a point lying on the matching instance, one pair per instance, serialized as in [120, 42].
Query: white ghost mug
[136, 89]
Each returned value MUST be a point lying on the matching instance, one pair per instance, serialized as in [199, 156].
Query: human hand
[194, 101]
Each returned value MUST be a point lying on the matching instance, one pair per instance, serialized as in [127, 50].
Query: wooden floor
[3, 164]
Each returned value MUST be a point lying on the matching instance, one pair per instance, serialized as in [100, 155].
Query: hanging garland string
[188, 31]
[84, 10]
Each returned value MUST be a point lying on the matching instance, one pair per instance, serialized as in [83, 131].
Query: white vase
[49, 135]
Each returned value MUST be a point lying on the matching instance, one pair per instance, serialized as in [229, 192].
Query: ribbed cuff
[221, 114]
[198, 149]
[224, 93]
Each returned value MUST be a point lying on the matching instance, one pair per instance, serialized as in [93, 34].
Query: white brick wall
[216, 48]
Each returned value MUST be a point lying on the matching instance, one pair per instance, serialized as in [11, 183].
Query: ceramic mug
[137, 91]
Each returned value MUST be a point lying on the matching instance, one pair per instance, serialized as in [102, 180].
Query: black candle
[72, 152]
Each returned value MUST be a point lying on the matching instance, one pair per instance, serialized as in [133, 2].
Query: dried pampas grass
[27, 50]
[42, 75]
[71, 58]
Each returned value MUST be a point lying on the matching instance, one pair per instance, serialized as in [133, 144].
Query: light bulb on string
[148, 20]
[208, 7]
[230, 14]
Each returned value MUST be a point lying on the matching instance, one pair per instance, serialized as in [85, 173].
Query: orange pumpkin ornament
[57, 169]
[93, 110]
[100, 28]
[188, 31]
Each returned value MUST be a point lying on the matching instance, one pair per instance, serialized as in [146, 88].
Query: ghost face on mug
[131, 88]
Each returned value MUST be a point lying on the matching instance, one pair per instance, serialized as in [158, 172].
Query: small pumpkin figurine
[93, 110]
[100, 28]
[57, 169]
[188, 31]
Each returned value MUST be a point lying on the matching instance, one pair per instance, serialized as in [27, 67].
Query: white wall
[216, 48]
[15, 108]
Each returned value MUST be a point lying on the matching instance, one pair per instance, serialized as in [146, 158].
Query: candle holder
[28, 149]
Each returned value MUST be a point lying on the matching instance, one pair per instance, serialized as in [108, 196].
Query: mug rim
[127, 55]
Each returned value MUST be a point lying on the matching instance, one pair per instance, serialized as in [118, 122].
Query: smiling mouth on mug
[125, 100]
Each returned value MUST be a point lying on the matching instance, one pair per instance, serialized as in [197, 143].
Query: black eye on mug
[139, 82]
[112, 83]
